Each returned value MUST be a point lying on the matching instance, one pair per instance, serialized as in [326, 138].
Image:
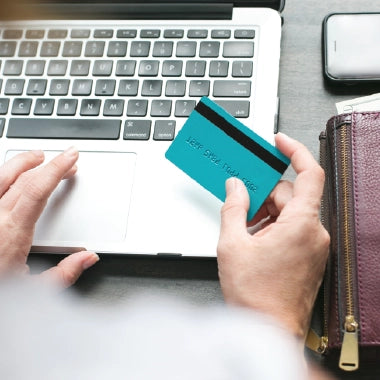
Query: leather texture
[361, 132]
[366, 184]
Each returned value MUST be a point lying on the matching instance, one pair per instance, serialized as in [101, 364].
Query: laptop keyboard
[114, 83]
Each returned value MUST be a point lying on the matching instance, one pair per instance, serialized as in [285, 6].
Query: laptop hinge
[127, 11]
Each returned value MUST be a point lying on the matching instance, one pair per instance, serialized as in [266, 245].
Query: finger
[67, 272]
[276, 201]
[72, 171]
[17, 165]
[308, 185]
[11, 197]
[235, 208]
[37, 190]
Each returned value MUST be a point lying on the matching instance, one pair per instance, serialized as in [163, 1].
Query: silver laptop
[118, 80]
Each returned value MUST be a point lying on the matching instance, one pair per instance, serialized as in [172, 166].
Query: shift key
[232, 88]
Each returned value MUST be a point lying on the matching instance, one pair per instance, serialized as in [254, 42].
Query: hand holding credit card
[213, 146]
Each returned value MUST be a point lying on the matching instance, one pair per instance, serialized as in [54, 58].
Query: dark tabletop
[306, 104]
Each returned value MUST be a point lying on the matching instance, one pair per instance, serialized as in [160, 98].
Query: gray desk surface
[306, 104]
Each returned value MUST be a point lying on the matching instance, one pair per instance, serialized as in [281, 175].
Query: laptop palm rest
[91, 208]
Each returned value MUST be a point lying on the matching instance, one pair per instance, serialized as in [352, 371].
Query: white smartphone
[351, 47]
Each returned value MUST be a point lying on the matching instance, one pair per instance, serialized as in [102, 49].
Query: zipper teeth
[322, 160]
[346, 227]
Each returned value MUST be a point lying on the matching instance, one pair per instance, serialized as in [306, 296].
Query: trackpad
[90, 209]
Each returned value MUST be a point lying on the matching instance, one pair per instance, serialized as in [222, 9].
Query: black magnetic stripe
[240, 137]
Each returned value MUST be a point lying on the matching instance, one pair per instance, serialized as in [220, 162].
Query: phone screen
[352, 46]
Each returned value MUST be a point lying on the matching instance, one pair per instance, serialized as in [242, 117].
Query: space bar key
[85, 129]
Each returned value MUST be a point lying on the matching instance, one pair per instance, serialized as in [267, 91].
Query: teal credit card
[213, 146]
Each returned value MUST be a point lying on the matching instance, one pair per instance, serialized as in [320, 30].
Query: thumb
[67, 272]
[235, 208]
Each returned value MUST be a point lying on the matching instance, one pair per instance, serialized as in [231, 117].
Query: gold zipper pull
[315, 342]
[349, 354]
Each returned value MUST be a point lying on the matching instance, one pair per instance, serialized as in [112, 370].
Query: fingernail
[71, 152]
[284, 136]
[231, 184]
[90, 261]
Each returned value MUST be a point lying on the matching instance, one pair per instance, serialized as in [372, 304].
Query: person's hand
[25, 187]
[278, 269]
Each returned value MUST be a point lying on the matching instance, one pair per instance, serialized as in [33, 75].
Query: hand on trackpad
[92, 206]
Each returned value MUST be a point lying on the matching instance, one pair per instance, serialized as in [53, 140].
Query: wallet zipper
[349, 355]
[315, 342]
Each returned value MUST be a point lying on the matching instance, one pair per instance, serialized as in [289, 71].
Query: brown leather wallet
[350, 156]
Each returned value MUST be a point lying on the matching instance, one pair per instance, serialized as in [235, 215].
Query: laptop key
[90, 107]
[242, 69]
[151, 88]
[220, 33]
[126, 33]
[161, 108]
[173, 33]
[125, 68]
[183, 108]
[137, 107]
[67, 107]
[57, 34]
[209, 49]
[163, 49]
[103, 33]
[197, 33]
[237, 108]
[34, 34]
[218, 68]
[175, 88]
[4, 104]
[7, 48]
[36, 87]
[57, 68]
[117, 49]
[236, 49]
[199, 88]
[44, 107]
[50, 49]
[94, 49]
[35, 68]
[14, 86]
[80, 68]
[102, 68]
[232, 88]
[81, 87]
[128, 87]
[12, 34]
[164, 130]
[150, 33]
[59, 87]
[148, 68]
[245, 33]
[172, 68]
[186, 49]
[2, 125]
[51, 128]
[13, 67]
[80, 33]
[28, 49]
[21, 106]
[140, 49]
[195, 68]
[72, 49]
[137, 130]
[105, 87]
[113, 107]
